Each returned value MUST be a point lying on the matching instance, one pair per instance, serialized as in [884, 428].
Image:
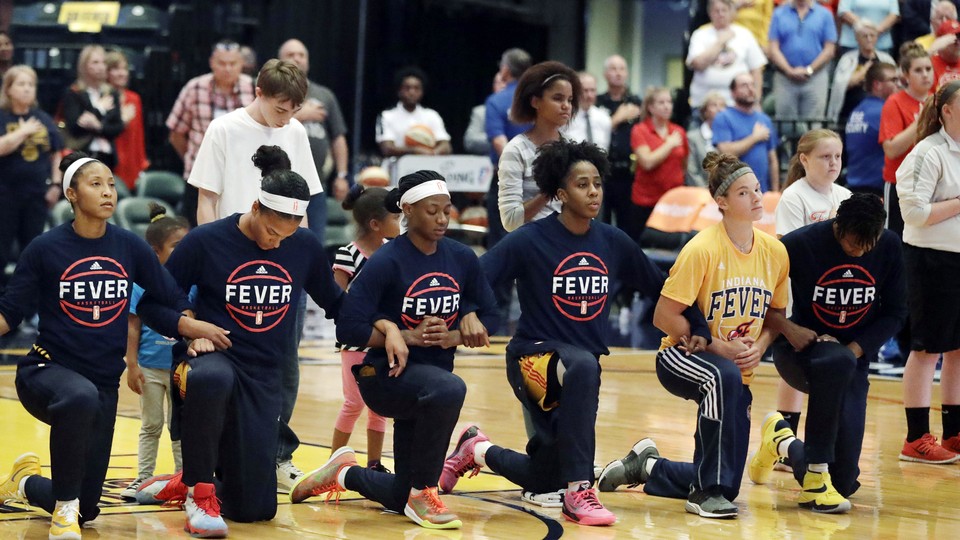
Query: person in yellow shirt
[734, 273]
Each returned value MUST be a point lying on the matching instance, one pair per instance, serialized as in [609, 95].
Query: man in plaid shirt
[201, 100]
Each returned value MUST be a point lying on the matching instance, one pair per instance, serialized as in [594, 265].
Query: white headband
[286, 205]
[72, 170]
[424, 190]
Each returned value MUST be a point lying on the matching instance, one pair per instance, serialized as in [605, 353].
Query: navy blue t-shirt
[858, 299]
[249, 291]
[402, 284]
[81, 288]
[864, 151]
[26, 170]
[563, 280]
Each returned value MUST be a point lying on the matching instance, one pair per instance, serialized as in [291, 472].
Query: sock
[648, 466]
[480, 452]
[342, 477]
[414, 491]
[951, 421]
[22, 488]
[579, 485]
[817, 467]
[792, 418]
[190, 491]
[783, 447]
[918, 422]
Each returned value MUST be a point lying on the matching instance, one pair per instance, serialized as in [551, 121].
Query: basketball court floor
[897, 500]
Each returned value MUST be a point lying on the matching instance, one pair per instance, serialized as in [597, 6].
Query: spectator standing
[946, 60]
[201, 100]
[6, 52]
[719, 51]
[91, 108]
[848, 90]
[803, 38]
[624, 110]
[883, 13]
[939, 12]
[755, 15]
[475, 139]
[591, 123]
[747, 133]
[864, 152]
[700, 138]
[131, 143]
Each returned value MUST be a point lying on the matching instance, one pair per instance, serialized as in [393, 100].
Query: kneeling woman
[733, 273]
[433, 289]
[250, 270]
[80, 276]
[563, 265]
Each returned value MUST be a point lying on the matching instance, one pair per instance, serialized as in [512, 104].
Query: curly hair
[861, 216]
[555, 160]
[535, 82]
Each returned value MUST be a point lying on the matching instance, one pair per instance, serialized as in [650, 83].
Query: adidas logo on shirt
[261, 271]
[583, 262]
[434, 282]
[848, 274]
[721, 266]
[96, 266]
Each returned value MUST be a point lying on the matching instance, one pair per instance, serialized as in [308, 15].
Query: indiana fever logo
[844, 295]
[739, 305]
[579, 287]
[436, 294]
[258, 295]
[94, 291]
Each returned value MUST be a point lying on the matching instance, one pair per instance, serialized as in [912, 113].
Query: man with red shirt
[946, 61]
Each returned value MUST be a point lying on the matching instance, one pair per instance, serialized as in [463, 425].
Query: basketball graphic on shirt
[434, 293]
[419, 135]
[258, 295]
[94, 291]
[843, 295]
[579, 286]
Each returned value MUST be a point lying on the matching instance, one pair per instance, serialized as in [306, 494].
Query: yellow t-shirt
[732, 289]
[756, 19]
[926, 41]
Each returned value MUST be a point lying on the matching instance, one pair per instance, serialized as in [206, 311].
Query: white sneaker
[130, 492]
[551, 499]
[202, 511]
[287, 476]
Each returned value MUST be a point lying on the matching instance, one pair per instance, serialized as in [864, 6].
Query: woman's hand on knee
[200, 346]
[472, 332]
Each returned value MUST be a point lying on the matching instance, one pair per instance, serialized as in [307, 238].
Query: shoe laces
[332, 488]
[465, 465]
[209, 505]
[289, 467]
[178, 492]
[927, 443]
[69, 512]
[432, 499]
[379, 468]
[586, 499]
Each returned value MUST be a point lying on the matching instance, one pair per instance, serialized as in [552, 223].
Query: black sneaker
[631, 470]
[710, 504]
[377, 466]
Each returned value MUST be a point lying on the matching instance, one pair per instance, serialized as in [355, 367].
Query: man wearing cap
[946, 61]
[939, 12]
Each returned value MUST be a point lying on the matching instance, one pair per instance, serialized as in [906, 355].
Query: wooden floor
[897, 500]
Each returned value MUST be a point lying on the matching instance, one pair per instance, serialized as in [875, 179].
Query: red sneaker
[952, 444]
[166, 489]
[585, 508]
[926, 450]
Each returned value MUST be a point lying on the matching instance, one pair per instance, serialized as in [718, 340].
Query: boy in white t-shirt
[224, 172]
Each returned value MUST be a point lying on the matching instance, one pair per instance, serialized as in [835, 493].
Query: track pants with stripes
[836, 412]
[723, 425]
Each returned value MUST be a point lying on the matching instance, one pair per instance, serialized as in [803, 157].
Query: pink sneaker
[584, 507]
[461, 460]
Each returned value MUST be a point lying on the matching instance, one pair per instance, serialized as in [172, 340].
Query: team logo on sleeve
[579, 286]
[257, 295]
[844, 295]
[435, 294]
[94, 291]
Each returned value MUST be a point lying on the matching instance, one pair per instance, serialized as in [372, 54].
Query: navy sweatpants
[723, 425]
[564, 442]
[228, 428]
[81, 416]
[424, 402]
[836, 411]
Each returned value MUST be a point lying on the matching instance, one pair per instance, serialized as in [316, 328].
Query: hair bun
[157, 212]
[271, 158]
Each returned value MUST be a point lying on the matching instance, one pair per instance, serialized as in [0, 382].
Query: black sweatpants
[836, 411]
[723, 425]
[564, 443]
[228, 428]
[22, 219]
[617, 203]
[424, 402]
[81, 417]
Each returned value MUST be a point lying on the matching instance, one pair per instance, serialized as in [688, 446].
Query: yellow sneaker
[762, 461]
[24, 466]
[65, 524]
[819, 494]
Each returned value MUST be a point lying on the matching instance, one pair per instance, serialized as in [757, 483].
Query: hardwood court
[897, 500]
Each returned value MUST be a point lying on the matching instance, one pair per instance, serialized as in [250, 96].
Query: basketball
[419, 135]
[180, 378]
[374, 176]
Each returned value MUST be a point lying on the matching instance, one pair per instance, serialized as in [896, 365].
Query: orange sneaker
[926, 450]
[952, 444]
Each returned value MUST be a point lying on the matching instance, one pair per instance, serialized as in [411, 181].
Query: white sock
[23, 486]
[783, 449]
[578, 485]
[190, 491]
[414, 492]
[480, 452]
[342, 477]
[817, 467]
[648, 466]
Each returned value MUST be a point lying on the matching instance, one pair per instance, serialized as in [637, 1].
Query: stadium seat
[670, 224]
[164, 185]
[133, 213]
[61, 213]
[769, 222]
[340, 228]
